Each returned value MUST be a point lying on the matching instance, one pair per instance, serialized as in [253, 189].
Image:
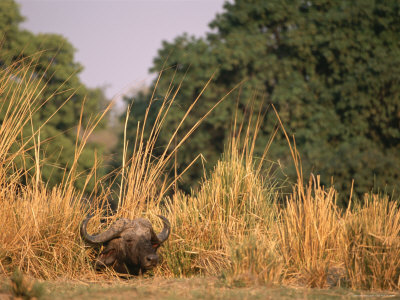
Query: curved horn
[113, 232]
[164, 234]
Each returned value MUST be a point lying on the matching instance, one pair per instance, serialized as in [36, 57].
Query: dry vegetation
[232, 226]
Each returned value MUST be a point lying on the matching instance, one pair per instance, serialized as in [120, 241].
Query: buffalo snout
[151, 261]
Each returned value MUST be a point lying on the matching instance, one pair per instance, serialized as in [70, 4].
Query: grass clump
[371, 244]
[308, 234]
[255, 260]
[25, 288]
[213, 226]
[40, 225]
[237, 223]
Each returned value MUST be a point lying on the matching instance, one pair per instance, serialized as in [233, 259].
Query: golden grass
[227, 208]
[232, 203]
[371, 244]
[237, 224]
[308, 234]
[40, 225]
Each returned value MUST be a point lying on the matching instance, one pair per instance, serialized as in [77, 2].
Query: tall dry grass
[145, 178]
[226, 225]
[309, 234]
[371, 244]
[237, 224]
[39, 225]
[232, 203]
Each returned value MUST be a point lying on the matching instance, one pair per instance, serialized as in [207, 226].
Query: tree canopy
[330, 67]
[57, 70]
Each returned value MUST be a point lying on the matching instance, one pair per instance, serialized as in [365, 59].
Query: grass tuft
[237, 223]
[23, 287]
[371, 241]
[308, 234]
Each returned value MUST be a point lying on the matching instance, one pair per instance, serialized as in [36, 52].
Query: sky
[116, 40]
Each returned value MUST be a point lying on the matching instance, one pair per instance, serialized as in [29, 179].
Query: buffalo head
[130, 246]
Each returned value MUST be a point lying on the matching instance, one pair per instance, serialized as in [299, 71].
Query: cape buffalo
[129, 245]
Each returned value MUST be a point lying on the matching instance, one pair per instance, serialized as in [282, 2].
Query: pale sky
[116, 40]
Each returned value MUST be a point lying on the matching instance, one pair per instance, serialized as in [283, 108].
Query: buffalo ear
[108, 257]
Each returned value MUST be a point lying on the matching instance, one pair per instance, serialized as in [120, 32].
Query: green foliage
[61, 93]
[10, 35]
[330, 67]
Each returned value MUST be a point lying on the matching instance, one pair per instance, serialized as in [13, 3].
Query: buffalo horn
[164, 234]
[113, 232]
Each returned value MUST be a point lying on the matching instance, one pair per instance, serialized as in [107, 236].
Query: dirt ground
[185, 289]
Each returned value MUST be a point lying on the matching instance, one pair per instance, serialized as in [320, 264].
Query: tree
[63, 93]
[330, 67]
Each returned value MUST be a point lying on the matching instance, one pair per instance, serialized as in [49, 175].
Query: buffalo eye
[156, 245]
[108, 257]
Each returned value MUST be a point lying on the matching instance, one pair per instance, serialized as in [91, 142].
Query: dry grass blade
[233, 224]
[215, 226]
[371, 242]
[308, 235]
[40, 235]
[144, 180]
